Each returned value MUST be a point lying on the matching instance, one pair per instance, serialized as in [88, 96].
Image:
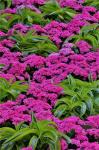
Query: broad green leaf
[33, 142]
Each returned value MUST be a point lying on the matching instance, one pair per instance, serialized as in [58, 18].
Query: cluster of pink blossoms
[19, 2]
[84, 132]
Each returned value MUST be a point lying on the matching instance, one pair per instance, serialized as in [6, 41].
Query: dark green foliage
[28, 16]
[81, 98]
[5, 4]
[88, 33]
[33, 43]
[24, 16]
[94, 3]
[52, 10]
[10, 90]
[39, 134]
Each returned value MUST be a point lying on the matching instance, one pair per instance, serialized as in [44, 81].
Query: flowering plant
[49, 66]
[38, 135]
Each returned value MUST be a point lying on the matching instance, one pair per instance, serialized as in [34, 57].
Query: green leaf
[11, 90]
[64, 136]
[59, 111]
[33, 142]
[88, 28]
[19, 135]
[78, 99]
[10, 145]
[92, 40]
[32, 43]
[83, 109]
[53, 10]
[40, 136]
[1, 66]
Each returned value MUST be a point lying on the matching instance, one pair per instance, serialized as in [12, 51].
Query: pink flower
[2, 33]
[83, 46]
[27, 148]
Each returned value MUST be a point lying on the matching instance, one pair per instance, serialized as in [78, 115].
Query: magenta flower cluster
[83, 131]
[20, 2]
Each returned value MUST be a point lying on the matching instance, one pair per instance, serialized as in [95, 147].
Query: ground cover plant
[49, 74]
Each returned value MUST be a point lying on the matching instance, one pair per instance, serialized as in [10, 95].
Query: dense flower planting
[49, 75]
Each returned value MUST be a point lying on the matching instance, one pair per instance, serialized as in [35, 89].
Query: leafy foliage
[81, 98]
[39, 134]
[24, 16]
[53, 10]
[88, 33]
[10, 90]
[5, 4]
[32, 43]
[4, 25]
[94, 3]
[28, 16]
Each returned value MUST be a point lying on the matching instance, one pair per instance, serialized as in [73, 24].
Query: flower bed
[49, 75]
